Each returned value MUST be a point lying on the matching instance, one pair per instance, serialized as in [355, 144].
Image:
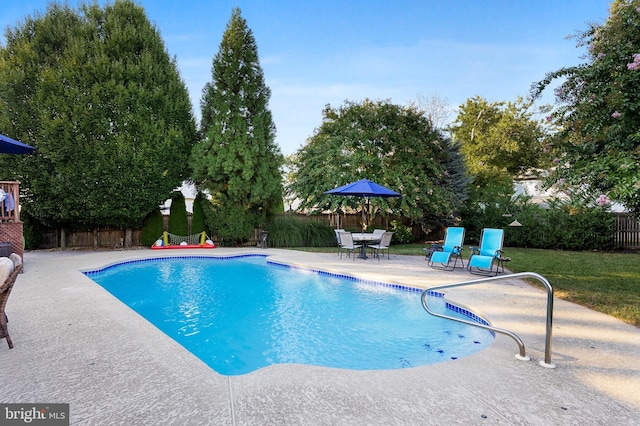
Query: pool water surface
[243, 313]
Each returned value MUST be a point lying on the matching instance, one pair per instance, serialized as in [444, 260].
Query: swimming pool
[243, 313]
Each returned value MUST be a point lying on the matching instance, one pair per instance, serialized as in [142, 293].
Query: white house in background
[533, 188]
[189, 191]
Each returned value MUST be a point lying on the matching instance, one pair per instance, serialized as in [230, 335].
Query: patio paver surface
[75, 343]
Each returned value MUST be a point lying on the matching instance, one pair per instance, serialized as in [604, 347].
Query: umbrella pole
[363, 249]
[363, 214]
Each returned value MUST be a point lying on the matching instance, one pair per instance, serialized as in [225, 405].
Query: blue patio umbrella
[12, 146]
[364, 188]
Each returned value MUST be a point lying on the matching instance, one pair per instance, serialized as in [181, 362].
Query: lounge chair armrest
[434, 248]
[457, 249]
[474, 250]
[500, 255]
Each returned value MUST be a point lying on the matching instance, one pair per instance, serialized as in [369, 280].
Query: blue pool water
[241, 314]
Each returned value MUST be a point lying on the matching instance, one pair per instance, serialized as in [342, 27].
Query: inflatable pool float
[171, 241]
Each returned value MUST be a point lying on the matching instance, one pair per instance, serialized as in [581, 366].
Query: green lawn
[605, 282]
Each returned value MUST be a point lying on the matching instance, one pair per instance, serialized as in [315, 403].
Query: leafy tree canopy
[391, 145]
[597, 146]
[498, 141]
[237, 160]
[95, 91]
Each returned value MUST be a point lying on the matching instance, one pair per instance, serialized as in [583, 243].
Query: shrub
[402, 233]
[565, 225]
[32, 230]
[232, 224]
[152, 228]
[318, 235]
[285, 232]
[562, 228]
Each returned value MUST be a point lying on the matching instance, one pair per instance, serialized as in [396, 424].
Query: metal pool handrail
[522, 355]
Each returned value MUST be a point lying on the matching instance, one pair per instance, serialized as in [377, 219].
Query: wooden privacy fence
[627, 233]
[99, 238]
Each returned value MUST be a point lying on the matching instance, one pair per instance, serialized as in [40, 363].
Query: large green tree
[392, 145]
[498, 141]
[237, 160]
[95, 91]
[597, 147]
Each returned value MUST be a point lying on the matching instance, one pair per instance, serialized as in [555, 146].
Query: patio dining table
[365, 238]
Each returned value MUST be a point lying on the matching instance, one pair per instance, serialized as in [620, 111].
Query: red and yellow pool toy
[171, 241]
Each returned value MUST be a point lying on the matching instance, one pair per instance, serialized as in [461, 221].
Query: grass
[605, 282]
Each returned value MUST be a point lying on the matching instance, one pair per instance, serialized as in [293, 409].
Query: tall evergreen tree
[96, 92]
[197, 218]
[237, 160]
[458, 179]
[178, 221]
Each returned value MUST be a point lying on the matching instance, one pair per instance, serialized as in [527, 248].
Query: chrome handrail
[522, 355]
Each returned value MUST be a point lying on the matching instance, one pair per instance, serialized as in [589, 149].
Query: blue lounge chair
[452, 248]
[488, 258]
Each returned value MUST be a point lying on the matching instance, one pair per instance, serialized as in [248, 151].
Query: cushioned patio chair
[5, 290]
[488, 259]
[347, 244]
[451, 249]
[384, 244]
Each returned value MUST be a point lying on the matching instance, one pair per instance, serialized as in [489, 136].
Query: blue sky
[317, 52]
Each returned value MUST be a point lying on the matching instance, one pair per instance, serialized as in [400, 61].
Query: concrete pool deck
[75, 343]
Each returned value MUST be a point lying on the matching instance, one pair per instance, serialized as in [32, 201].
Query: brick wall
[12, 232]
